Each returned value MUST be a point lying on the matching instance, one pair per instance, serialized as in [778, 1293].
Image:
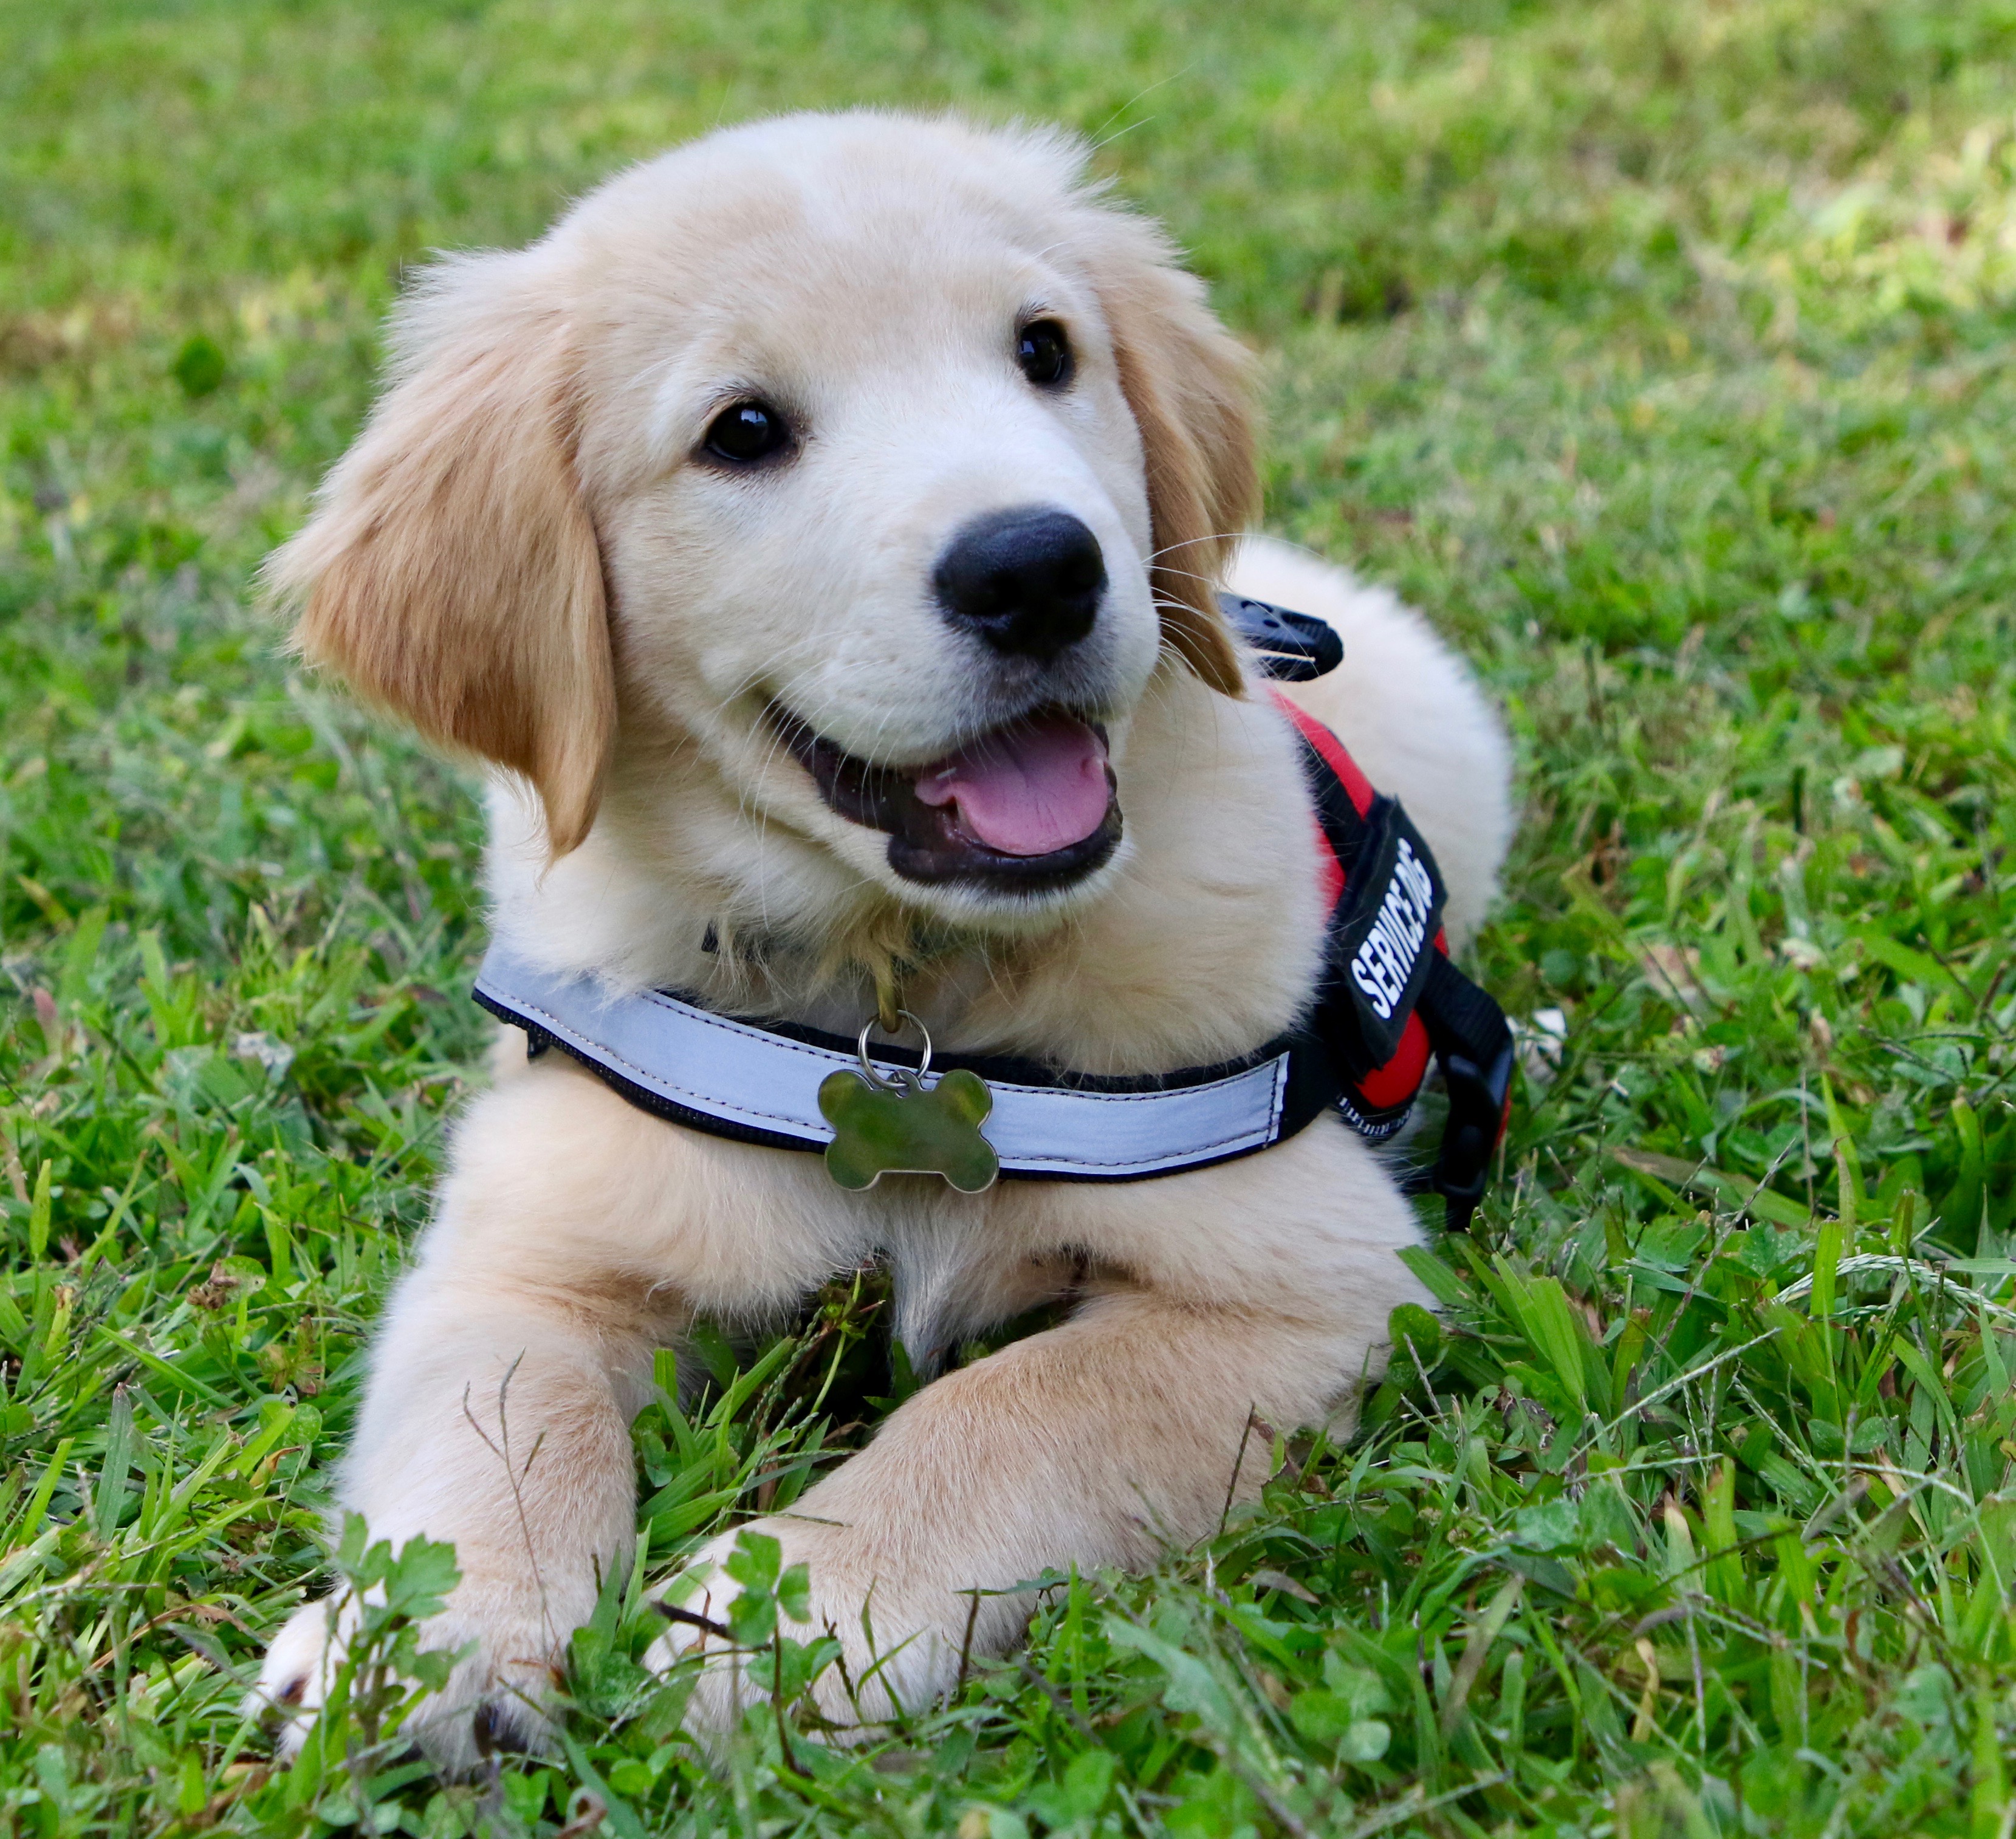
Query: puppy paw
[301, 1667]
[892, 1659]
[492, 1700]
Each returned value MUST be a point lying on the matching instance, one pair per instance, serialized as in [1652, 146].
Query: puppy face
[869, 488]
[871, 458]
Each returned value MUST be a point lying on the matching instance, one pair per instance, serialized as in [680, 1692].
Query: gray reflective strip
[763, 1081]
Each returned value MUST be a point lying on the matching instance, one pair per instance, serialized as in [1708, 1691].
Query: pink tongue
[1027, 790]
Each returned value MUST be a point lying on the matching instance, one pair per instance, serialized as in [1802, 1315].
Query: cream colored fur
[868, 270]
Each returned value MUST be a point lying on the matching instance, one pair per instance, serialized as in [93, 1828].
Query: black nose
[1028, 581]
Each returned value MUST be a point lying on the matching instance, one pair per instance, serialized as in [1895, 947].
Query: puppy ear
[451, 571]
[1187, 381]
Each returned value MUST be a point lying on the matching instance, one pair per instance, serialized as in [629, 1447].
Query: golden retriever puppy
[818, 529]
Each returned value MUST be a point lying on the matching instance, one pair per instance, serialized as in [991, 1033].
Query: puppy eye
[1045, 354]
[747, 431]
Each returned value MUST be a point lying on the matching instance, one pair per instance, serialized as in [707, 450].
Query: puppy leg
[1099, 1442]
[575, 1236]
[497, 1419]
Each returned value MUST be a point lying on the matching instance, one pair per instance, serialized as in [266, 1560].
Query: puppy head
[875, 462]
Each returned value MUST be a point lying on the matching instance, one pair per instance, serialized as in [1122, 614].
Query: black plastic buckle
[1294, 648]
[1476, 1117]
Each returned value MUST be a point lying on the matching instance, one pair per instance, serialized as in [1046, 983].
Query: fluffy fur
[526, 555]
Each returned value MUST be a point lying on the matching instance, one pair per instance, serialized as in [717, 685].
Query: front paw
[895, 1657]
[493, 1698]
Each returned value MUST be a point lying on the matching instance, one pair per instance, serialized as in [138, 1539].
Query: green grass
[1661, 349]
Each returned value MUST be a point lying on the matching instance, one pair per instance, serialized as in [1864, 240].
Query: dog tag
[900, 1125]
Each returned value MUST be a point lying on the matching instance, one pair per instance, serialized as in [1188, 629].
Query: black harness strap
[1390, 996]
[1474, 1042]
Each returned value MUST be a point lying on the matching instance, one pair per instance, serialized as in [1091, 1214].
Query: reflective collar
[759, 1082]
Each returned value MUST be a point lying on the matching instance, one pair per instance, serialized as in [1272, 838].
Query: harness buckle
[1477, 1099]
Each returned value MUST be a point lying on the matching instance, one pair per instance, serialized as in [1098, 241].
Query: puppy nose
[1028, 581]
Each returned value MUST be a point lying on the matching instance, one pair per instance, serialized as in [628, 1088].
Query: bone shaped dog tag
[903, 1126]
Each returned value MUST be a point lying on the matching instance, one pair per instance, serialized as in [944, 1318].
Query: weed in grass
[1661, 352]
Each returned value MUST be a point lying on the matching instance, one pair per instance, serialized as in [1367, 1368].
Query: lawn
[1662, 349]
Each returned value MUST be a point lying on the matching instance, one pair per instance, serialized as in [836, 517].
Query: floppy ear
[1187, 381]
[451, 571]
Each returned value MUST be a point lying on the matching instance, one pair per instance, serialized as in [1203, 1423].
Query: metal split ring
[868, 1071]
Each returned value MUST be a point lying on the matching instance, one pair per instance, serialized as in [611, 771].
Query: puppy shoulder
[1410, 710]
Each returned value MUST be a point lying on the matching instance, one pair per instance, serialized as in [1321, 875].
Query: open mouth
[1027, 807]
